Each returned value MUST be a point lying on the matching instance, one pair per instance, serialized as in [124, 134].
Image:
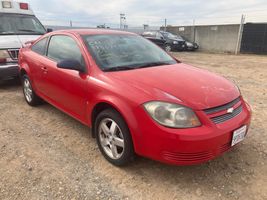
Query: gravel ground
[45, 154]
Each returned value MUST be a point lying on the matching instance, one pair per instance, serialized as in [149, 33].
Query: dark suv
[165, 40]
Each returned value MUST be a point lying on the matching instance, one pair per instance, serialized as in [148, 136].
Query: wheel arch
[98, 108]
[24, 69]
[124, 110]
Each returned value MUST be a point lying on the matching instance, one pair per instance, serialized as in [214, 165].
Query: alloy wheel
[27, 90]
[111, 138]
[168, 48]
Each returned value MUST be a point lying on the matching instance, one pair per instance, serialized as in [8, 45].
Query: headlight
[4, 54]
[172, 115]
[175, 42]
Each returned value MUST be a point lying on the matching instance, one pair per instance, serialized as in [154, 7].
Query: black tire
[168, 48]
[31, 98]
[128, 153]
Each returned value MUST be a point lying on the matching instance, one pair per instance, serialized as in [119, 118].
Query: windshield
[125, 52]
[20, 24]
[172, 36]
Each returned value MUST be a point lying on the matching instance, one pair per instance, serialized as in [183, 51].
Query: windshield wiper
[118, 68]
[7, 33]
[152, 64]
[136, 66]
[30, 31]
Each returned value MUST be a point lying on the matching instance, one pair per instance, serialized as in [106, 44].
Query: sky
[153, 13]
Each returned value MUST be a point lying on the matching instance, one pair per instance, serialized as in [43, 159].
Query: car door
[67, 89]
[156, 38]
[159, 39]
[37, 63]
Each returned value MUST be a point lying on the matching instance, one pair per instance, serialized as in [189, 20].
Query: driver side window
[62, 47]
[40, 46]
[159, 35]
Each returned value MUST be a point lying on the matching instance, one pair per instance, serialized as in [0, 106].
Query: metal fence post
[239, 37]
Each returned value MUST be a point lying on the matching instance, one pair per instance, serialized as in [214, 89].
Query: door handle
[45, 70]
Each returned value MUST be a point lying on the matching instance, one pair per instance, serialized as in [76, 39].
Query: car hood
[15, 41]
[197, 88]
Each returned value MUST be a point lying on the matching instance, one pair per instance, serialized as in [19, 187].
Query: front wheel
[114, 138]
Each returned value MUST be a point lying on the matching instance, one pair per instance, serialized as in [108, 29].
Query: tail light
[6, 4]
[4, 55]
[24, 6]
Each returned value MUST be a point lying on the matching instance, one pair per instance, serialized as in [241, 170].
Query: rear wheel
[113, 138]
[31, 98]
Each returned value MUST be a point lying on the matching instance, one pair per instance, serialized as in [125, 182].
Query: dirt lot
[45, 154]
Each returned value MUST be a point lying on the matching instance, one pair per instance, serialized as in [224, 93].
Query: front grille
[13, 53]
[187, 157]
[227, 116]
[217, 117]
[195, 157]
[223, 107]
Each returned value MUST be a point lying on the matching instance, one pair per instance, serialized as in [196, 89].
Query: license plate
[239, 135]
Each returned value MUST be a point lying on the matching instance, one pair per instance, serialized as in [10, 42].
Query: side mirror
[71, 64]
[48, 30]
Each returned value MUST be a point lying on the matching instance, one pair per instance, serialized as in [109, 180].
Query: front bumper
[178, 46]
[187, 146]
[9, 71]
[190, 48]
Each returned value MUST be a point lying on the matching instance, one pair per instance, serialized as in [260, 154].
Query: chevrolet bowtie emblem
[230, 110]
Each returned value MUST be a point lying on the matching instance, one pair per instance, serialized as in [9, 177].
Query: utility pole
[122, 20]
[165, 25]
[194, 31]
[240, 33]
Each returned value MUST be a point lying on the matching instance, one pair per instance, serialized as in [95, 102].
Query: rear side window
[40, 46]
[63, 47]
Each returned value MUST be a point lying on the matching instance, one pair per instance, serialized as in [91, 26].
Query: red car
[137, 98]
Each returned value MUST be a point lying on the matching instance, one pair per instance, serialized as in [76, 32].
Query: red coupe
[137, 98]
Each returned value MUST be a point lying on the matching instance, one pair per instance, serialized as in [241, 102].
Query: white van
[17, 26]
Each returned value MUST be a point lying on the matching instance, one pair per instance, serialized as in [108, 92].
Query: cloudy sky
[139, 12]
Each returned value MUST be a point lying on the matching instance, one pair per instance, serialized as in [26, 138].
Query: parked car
[18, 25]
[189, 46]
[165, 40]
[136, 97]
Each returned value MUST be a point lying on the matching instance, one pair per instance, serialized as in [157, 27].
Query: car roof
[151, 31]
[93, 32]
